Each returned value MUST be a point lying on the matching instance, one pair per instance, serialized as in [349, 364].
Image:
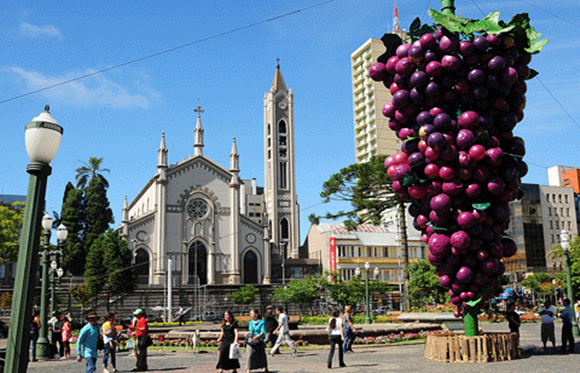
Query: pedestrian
[131, 327]
[349, 330]
[336, 336]
[109, 341]
[66, 336]
[255, 343]
[180, 315]
[35, 326]
[547, 318]
[87, 343]
[513, 318]
[567, 316]
[283, 332]
[271, 325]
[141, 331]
[55, 325]
[577, 309]
[228, 337]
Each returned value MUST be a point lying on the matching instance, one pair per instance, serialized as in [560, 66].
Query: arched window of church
[282, 127]
[269, 130]
[283, 176]
[284, 229]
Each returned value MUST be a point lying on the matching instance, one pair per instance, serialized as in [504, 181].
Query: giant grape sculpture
[457, 96]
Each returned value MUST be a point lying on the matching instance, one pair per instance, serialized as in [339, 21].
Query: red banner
[332, 249]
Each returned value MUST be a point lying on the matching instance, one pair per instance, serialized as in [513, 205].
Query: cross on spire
[199, 110]
[278, 62]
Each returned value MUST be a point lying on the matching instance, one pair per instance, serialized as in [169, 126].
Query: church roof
[278, 83]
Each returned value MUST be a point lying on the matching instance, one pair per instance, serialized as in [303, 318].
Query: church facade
[215, 227]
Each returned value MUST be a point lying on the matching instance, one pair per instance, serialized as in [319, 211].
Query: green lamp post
[43, 345]
[367, 294]
[61, 234]
[565, 243]
[42, 138]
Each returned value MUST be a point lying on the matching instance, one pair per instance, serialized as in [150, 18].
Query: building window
[559, 198]
[557, 225]
[567, 211]
[282, 127]
[552, 238]
[551, 225]
[283, 176]
[566, 198]
[561, 211]
[197, 208]
[549, 211]
[284, 229]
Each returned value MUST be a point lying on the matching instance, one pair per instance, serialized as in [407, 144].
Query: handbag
[144, 342]
[130, 344]
[235, 352]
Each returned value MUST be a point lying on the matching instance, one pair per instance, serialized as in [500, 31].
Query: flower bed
[394, 338]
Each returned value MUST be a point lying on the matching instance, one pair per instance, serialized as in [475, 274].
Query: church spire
[234, 158]
[198, 144]
[278, 83]
[162, 152]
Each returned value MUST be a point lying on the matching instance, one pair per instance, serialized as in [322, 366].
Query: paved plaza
[407, 358]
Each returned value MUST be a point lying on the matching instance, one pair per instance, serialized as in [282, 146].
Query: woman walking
[66, 336]
[34, 330]
[349, 330]
[255, 345]
[228, 336]
[336, 336]
[109, 341]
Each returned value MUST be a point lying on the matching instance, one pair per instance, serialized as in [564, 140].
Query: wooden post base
[457, 348]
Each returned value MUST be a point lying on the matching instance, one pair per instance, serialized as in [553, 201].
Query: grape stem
[448, 7]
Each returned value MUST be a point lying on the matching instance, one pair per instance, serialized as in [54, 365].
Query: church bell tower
[279, 167]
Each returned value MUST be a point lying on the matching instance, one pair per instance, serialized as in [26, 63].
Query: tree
[10, 225]
[300, 292]
[73, 217]
[95, 270]
[89, 171]
[117, 260]
[350, 292]
[244, 295]
[369, 189]
[98, 213]
[424, 287]
[534, 281]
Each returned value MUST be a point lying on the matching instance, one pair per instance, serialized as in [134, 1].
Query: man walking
[283, 332]
[567, 337]
[87, 343]
[547, 314]
[141, 331]
[271, 325]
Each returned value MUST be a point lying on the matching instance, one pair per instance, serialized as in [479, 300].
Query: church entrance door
[197, 264]
[142, 266]
[250, 268]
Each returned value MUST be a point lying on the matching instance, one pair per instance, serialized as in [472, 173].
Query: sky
[119, 115]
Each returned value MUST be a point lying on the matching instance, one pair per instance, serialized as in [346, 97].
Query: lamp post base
[43, 349]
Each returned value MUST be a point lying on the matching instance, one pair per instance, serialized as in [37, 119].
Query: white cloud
[95, 90]
[39, 32]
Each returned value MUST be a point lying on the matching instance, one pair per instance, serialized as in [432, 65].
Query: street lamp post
[283, 253]
[367, 294]
[43, 352]
[565, 242]
[42, 138]
[401, 300]
[61, 234]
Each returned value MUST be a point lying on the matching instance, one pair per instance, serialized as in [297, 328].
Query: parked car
[207, 316]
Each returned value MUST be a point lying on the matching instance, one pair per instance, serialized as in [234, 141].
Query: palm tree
[90, 170]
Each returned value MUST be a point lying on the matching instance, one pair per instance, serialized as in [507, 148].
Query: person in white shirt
[283, 332]
[547, 314]
[336, 336]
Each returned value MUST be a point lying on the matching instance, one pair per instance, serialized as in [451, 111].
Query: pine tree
[72, 216]
[95, 270]
[117, 260]
[98, 213]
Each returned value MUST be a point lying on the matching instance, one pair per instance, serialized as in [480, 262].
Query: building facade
[337, 248]
[535, 224]
[215, 227]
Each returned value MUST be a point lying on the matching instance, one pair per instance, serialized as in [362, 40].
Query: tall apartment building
[371, 129]
[567, 177]
[535, 225]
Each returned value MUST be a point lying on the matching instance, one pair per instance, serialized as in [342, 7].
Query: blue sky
[119, 115]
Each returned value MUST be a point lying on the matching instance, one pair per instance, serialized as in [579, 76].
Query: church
[216, 227]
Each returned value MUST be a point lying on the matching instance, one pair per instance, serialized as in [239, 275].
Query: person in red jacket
[141, 331]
